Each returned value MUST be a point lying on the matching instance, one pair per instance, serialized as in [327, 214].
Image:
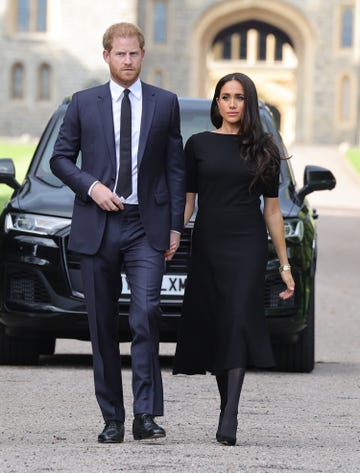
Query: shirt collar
[116, 89]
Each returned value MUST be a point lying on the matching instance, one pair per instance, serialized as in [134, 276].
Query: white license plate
[172, 285]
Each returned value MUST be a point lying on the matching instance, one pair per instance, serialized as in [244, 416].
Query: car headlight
[293, 230]
[32, 223]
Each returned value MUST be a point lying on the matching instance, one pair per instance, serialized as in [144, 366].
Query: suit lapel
[148, 108]
[106, 117]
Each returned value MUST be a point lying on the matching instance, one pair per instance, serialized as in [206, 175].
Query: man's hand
[105, 198]
[174, 245]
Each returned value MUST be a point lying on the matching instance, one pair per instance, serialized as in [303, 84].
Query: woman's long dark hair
[258, 147]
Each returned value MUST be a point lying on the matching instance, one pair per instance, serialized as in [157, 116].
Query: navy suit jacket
[88, 127]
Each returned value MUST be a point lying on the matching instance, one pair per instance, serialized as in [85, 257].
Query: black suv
[41, 296]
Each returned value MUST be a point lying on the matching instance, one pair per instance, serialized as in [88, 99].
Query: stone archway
[296, 104]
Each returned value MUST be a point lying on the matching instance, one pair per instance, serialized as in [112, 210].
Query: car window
[269, 127]
[43, 171]
[194, 120]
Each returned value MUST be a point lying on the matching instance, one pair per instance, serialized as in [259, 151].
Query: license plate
[172, 285]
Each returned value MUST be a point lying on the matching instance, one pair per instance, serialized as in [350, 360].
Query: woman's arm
[275, 225]
[189, 207]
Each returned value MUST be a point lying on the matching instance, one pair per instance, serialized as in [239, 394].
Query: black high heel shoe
[227, 440]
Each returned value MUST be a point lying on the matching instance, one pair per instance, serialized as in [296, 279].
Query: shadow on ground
[85, 361]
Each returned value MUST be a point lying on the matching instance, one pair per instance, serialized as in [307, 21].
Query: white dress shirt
[135, 96]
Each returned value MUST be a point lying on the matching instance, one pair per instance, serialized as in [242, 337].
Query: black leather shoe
[144, 427]
[225, 440]
[113, 432]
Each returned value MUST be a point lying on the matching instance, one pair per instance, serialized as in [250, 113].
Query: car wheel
[299, 356]
[17, 351]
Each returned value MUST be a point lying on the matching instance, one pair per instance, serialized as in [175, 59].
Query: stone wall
[73, 50]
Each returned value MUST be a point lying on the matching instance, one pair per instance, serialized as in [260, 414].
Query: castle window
[251, 41]
[345, 99]
[158, 78]
[17, 81]
[23, 15]
[160, 17]
[31, 16]
[347, 25]
[44, 77]
[41, 13]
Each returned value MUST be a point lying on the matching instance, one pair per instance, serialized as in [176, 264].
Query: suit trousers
[125, 247]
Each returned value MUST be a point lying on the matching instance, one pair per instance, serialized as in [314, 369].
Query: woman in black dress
[223, 328]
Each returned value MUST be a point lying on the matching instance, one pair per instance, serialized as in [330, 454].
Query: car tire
[299, 357]
[47, 346]
[17, 351]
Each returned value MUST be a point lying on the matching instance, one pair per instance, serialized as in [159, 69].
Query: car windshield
[43, 171]
[195, 118]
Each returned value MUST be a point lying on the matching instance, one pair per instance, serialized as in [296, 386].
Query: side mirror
[316, 178]
[7, 173]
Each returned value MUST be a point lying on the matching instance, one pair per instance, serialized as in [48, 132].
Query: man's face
[124, 60]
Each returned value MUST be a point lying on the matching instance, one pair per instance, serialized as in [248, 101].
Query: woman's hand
[275, 225]
[286, 276]
[174, 245]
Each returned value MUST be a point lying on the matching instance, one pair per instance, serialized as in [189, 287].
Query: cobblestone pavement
[288, 423]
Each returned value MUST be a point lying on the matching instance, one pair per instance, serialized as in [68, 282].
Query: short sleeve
[272, 188]
[191, 167]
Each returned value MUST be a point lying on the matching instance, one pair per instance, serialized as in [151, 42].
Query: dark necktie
[124, 184]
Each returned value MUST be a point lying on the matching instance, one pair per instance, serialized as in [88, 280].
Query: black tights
[229, 383]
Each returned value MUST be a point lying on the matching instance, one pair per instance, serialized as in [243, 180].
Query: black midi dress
[223, 324]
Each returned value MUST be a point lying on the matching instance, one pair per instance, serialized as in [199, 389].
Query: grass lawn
[353, 155]
[21, 154]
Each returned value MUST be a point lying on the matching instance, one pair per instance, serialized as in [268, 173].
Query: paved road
[345, 198]
[289, 423]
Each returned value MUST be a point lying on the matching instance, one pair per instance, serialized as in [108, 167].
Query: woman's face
[231, 102]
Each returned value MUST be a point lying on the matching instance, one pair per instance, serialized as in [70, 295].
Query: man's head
[122, 30]
[124, 51]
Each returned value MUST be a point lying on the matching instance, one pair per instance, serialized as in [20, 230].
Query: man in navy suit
[134, 230]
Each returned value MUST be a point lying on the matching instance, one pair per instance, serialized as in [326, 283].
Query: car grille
[178, 265]
[73, 268]
[180, 262]
[25, 287]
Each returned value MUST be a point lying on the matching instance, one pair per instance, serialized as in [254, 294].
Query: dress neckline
[224, 134]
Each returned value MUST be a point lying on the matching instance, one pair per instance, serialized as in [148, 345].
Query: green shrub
[353, 155]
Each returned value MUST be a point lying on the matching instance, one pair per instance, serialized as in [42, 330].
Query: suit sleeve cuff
[91, 188]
